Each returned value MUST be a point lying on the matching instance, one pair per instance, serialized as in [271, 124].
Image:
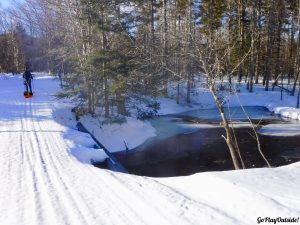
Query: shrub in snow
[79, 111]
[149, 111]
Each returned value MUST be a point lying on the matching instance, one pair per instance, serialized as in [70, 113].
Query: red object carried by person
[28, 94]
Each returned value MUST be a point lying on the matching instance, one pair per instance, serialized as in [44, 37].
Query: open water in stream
[192, 142]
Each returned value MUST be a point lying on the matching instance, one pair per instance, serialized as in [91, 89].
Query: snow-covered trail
[42, 183]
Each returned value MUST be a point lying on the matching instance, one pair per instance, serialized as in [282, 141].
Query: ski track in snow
[42, 183]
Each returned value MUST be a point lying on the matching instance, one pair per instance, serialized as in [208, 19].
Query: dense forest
[116, 57]
[110, 53]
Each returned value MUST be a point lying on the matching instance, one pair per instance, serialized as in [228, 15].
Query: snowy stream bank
[43, 183]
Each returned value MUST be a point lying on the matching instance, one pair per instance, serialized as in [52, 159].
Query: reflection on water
[235, 113]
[191, 142]
[191, 121]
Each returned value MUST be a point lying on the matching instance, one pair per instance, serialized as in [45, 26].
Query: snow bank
[269, 99]
[243, 196]
[259, 97]
[169, 106]
[202, 98]
[80, 138]
[83, 147]
[284, 111]
[114, 136]
[280, 130]
[88, 155]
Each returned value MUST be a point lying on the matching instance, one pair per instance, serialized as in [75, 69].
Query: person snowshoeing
[27, 81]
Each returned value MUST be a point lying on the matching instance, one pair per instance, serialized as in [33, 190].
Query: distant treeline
[111, 52]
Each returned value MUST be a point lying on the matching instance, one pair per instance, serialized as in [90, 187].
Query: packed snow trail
[42, 183]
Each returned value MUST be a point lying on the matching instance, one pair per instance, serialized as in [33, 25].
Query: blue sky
[6, 3]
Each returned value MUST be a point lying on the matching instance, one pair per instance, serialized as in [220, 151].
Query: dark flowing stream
[192, 142]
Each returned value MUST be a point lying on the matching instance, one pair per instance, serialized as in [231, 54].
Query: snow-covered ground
[202, 99]
[135, 132]
[281, 130]
[129, 134]
[43, 183]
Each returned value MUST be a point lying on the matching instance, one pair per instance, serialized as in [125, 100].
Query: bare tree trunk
[189, 64]
[164, 49]
[106, 95]
[178, 63]
[121, 104]
[253, 31]
[295, 83]
[298, 97]
[242, 14]
[269, 47]
[152, 23]
[280, 14]
[104, 75]
[258, 47]
[188, 90]
[297, 57]
[229, 134]
[291, 56]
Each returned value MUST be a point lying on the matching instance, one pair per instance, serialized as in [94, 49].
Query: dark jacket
[27, 75]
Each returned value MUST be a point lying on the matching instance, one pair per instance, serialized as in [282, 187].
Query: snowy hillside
[42, 182]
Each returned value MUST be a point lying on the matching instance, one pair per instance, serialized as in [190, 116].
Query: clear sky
[6, 3]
